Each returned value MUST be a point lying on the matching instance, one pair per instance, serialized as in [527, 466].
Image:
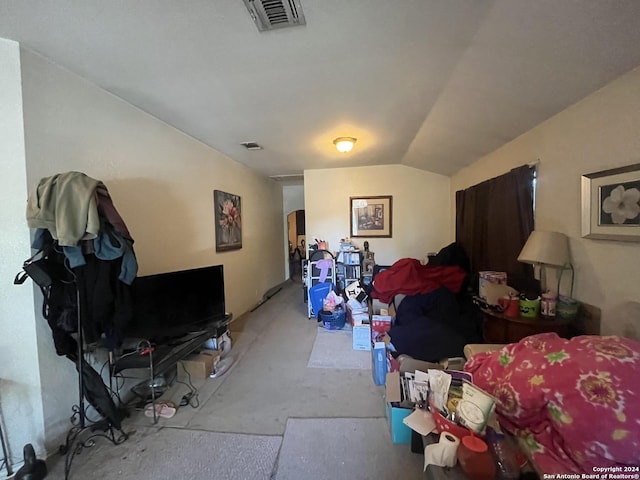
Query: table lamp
[547, 249]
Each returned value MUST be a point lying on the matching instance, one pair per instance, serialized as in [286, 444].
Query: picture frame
[611, 204]
[227, 220]
[371, 216]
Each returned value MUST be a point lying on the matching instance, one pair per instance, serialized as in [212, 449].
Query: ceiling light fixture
[344, 144]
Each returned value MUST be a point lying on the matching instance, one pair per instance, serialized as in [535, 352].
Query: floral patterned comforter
[576, 403]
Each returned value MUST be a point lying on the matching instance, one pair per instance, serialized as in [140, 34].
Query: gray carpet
[344, 449]
[273, 383]
[334, 418]
[171, 453]
[334, 349]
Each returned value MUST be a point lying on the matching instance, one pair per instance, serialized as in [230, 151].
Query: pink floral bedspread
[575, 403]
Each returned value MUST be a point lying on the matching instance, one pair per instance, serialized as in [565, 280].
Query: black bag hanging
[38, 270]
[43, 270]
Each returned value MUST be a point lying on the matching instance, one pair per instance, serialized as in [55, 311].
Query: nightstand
[498, 328]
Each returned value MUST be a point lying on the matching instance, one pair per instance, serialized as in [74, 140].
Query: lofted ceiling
[433, 84]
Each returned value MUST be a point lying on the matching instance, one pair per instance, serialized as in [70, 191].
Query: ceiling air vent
[273, 14]
[251, 146]
[289, 179]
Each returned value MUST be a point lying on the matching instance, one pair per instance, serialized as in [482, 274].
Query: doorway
[297, 244]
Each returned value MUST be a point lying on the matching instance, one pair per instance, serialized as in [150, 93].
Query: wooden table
[498, 328]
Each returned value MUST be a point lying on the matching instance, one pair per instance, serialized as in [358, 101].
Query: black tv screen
[173, 304]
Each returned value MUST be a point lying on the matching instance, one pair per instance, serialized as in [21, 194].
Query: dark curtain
[494, 220]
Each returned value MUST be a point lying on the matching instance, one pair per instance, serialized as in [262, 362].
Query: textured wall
[600, 132]
[21, 406]
[421, 208]
[162, 184]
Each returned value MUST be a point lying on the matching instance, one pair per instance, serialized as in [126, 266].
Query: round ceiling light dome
[344, 144]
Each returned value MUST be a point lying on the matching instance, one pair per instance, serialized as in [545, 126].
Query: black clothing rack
[83, 432]
[5, 453]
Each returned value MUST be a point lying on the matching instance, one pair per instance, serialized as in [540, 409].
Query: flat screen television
[173, 304]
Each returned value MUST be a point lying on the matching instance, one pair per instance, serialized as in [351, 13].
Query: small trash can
[332, 320]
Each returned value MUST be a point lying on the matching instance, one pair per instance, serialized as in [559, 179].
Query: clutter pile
[447, 407]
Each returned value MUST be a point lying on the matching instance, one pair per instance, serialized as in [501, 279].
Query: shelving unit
[368, 265]
[349, 269]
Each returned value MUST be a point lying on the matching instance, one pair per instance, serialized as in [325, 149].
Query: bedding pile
[435, 325]
[575, 403]
[408, 276]
[437, 318]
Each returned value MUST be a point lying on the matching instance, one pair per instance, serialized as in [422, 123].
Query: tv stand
[162, 357]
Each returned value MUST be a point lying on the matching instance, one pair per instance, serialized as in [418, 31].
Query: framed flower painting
[228, 221]
[611, 204]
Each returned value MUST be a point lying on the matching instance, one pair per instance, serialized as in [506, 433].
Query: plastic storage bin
[332, 321]
[317, 294]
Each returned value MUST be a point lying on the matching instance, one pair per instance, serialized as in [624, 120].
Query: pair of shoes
[162, 410]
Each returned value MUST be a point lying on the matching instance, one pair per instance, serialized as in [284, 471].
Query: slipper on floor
[162, 410]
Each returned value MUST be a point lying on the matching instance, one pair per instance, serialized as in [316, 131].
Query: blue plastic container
[379, 363]
[332, 321]
[317, 294]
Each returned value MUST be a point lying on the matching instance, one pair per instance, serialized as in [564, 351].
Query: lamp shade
[546, 248]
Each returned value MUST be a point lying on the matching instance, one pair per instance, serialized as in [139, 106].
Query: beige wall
[160, 179]
[162, 184]
[21, 402]
[600, 132]
[421, 208]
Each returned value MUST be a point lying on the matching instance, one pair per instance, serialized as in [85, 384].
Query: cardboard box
[200, 365]
[380, 324]
[357, 313]
[395, 412]
[487, 279]
[376, 307]
[380, 317]
[362, 337]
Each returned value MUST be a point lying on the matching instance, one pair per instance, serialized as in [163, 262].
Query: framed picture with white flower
[228, 221]
[611, 204]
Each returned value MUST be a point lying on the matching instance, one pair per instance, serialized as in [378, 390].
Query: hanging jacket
[66, 205]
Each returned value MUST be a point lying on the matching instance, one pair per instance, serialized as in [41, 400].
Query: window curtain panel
[493, 222]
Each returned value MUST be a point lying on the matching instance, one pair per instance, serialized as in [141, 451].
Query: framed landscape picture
[228, 221]
[611, 204]
[371, 216]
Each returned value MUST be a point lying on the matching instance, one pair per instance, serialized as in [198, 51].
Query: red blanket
[408, 276]
[575, 403]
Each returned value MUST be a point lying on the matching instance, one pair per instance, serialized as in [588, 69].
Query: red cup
[510, 306]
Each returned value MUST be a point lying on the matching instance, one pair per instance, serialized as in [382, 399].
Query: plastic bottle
[507, 466]
[474, 458]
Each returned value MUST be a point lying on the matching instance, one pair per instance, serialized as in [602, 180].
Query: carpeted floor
[334, 349]
[173, 453]
[272, 382]
[268, 416]
[344, 449]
